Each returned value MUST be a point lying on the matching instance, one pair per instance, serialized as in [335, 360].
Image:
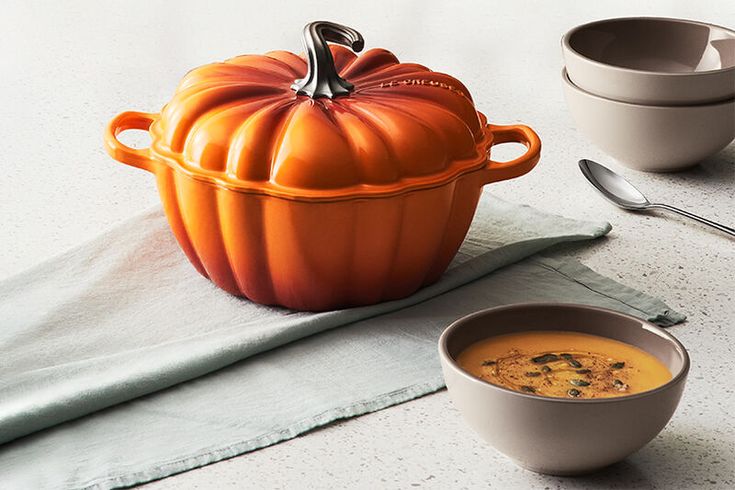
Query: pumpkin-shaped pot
[320, 181]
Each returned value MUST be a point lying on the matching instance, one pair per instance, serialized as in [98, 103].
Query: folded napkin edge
[219, 453]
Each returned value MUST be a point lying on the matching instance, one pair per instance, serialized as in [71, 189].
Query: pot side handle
[140, 158]
[517, 133]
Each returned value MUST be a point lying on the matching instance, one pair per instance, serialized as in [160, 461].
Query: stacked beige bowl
[655, 94]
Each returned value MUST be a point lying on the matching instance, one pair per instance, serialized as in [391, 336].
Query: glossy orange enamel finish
[240, 123]
[318, 204]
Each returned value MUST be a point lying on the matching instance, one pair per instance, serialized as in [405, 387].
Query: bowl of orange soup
[559, 388]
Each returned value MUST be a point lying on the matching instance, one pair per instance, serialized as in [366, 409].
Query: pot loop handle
[140, 158]
[517, 133]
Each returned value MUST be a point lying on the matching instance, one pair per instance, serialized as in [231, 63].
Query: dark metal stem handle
[713, 224]
[321, 79]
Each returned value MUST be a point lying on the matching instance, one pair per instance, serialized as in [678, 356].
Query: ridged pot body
[316, 255]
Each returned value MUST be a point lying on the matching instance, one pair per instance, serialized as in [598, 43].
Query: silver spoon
[622, 193]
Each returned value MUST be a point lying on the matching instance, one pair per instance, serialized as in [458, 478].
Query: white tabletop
[67, 67]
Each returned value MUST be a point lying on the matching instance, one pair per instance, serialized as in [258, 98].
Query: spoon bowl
[612, 186]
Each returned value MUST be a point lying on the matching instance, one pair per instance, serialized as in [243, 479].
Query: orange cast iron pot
[323, 181]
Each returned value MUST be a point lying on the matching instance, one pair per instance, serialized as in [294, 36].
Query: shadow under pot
[322, 181]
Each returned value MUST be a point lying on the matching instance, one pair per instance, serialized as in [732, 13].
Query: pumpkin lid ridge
[244, 125]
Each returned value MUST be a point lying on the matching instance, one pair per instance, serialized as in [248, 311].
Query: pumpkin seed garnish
[617, 365]
[579, 382]
[620, 385]
[528, 389]
[489, 362]
[574, 392]
[566, 356]
[533, 374]
[545, 358]
[575, 364]
[546, 369]
[583, 371]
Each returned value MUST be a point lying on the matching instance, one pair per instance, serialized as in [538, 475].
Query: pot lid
[325, 124]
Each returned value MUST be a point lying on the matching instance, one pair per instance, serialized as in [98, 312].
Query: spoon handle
[713, 224]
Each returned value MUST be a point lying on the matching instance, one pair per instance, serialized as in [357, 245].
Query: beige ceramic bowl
[655, 61]
[556, 435]
[652, 138]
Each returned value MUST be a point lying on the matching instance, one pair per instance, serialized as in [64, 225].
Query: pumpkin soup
[564, 364]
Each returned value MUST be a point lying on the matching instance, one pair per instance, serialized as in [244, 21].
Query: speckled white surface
[67, 68]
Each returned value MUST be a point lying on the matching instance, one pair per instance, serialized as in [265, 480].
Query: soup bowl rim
[449, 361]
[566, 42]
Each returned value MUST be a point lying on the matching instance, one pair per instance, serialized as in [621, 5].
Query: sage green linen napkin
[93, 331]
